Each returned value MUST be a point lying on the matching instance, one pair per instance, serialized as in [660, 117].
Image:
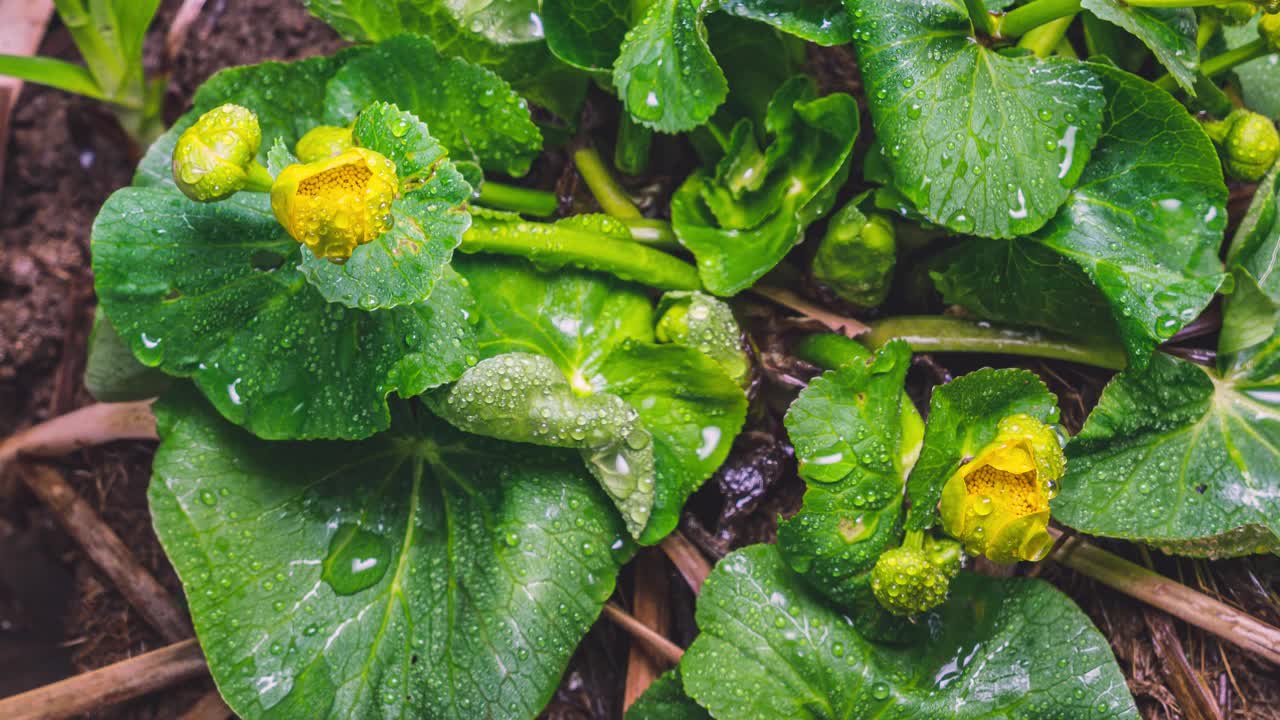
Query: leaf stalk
[603, 185]
[527, 201]
[950, 334]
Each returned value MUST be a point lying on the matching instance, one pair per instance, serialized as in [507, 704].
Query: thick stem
[631, 150]
[830, 350]
[948, 334]
[978, 15]
[1047, 38]
[260, 179]
[556, 245]
[1022, 20]
[538, 203]
[1219, 64]
[611, 196]
[1173, 597]
[654, 233]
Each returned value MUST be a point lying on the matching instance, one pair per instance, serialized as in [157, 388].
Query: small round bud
[324, 142]
[335, 205]
[1269, 28]
[915, 577]
[1251, 145]
[214, 158]
[857, 256]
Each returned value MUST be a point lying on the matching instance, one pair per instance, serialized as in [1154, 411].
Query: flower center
[1017, 493]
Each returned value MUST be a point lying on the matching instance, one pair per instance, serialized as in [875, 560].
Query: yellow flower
[998, 504]
[336, 204]
[216, 157]
[323, 142]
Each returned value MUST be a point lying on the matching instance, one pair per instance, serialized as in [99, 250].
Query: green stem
[538, 203]
[556, 246]
[631, 150]
[612, 198]
[949, 334]
[260, 179]
[1044, 40]
[982, 20]
[654, 233]
[1022, 20]
[830, 350]
[1219, 64]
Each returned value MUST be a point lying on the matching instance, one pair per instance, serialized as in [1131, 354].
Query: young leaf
[825, 22]
[1148, 216]
[985, 654]
[665, 73]
[1259, 80]
[402, 266]
[1170, 33]
[1182, 458]
[470, 110]
[856, 436]
[586, 33]
[421, 573]
[706, 324]
[1252, 312]
[665, 700]
[208, 291]
[964, 416]
[981, 142]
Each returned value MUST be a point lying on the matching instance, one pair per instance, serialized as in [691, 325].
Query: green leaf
[422, 573]
[665, 73]
[112, 373]
[599, 332]
[665, 700]
[856, 436]
[1252, 312]
[1182, 458]
[770, 648]
[738, 44]
[1023, 283]
[502, 36]
[208, 291]
[402, 266]
[53, 73]
[982, 142]
[742, 220]
[470, 110]
[1170, 33]
[1259, 80]
[706, 324]
[1148, 216]
[825, 22]
[525, 398]
[964, 416]
[586, 33]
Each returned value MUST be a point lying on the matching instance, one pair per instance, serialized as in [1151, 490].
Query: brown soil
[59, 616]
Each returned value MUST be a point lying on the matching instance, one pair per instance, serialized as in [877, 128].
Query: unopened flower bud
[216, 157]
[323, 142]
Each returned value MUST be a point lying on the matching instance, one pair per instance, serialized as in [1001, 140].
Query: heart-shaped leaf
[1170, 34]
[665, 73]
[825, 22]
[771, 648]
[1182, 458]
[470, 110]
[422, 573]
[401, 266]
[1147, 219]
[981, 142]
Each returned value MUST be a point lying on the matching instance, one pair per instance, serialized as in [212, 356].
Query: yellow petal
[334, 205]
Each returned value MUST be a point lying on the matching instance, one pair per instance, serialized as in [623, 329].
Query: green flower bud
[915, 577]
[857, 256]
[1248, 142]
[998, 503]
[1269, 27]
[335, 205]
[324, 142]
[706, 324]
[215, 158]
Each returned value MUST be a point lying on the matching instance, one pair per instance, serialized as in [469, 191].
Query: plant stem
[498, 196]
[1173, 597]
[830, 350]
[978, 15]
[612, 198]
[1219, 64]
[631, 150]
[260, 179]
[948, 334]
[654, 233]
[556, 246]
[1044, 40]
[790, 299]
[1022, 20]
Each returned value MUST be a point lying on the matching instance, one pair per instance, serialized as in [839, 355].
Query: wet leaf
[421, 573]
[665, 700]
[1252, 311]
[1182, 457]
[825, 22]
[981, 142]
[112, 373]
[1259, 79]
[586, 33]
[1170, 34]
[706, 324]
[771, 648]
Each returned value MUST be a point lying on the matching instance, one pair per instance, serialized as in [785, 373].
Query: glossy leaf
[423, 573]
[402, 266]
[856, 436]
[665, 73]
[738, 44]
[706, 324]
[1023, 283]
[1259, 79]
[112, 373]
[825, 22]
[665, 700]
[472, 112]
[1182, 458]
[586, 33]
[981, 142]
[1148, 216]
[1170, 34]
[771, 648]
[1252, 312]
[964, 417]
